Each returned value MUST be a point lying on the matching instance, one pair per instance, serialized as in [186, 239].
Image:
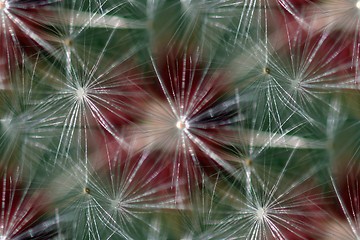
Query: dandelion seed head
[358, 5]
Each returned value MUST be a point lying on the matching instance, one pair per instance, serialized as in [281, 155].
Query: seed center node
[81, 93]
[266, 70]
[261, 213]
[181, 125]
[87, 190]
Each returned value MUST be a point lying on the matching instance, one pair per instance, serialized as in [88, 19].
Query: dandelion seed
[358, 4]
[112, 193]
[88, 97]
[75, 191]
[183, 120]
[293, 74]
[267, 212]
